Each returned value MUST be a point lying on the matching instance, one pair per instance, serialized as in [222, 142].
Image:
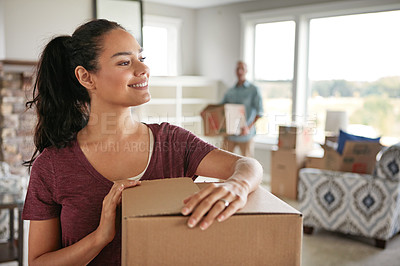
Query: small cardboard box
[314, 162]
[266, 231]
[295, 137]
[223, 119]
[358, 157]
[332, 160]
[285, 166]
[315, 159]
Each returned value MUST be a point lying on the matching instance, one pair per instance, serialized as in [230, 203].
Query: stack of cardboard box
[294, 142]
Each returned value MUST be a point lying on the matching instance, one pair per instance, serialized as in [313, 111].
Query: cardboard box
[285, 166]
[315, 159]
[295, 137]
[314, 162]
[266, 231]
[333, 138]
[332, 159]
[223, 119]
[357, 157]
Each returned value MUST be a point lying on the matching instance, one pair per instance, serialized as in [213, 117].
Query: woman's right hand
[106, 228]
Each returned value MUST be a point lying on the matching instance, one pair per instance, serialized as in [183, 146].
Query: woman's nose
[141, 69]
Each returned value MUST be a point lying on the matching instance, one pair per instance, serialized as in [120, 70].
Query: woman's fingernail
[203, 226]
[121, 187]
[220, 218]
[191, 223]
[185, 211]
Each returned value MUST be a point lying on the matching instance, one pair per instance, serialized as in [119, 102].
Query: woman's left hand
[217, 201]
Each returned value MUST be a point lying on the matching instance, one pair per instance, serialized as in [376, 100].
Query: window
[355, 67]
[160, 45]
[273, 71]
[346, 58]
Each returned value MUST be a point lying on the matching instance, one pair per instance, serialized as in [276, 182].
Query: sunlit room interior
[309, 58]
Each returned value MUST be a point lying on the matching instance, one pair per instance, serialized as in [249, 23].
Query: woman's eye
[142, 59]
[125, 63]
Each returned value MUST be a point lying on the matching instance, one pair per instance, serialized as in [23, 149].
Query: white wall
[30, 24]
[2, 35]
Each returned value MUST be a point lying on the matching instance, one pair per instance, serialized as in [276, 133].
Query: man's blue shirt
[249, 95]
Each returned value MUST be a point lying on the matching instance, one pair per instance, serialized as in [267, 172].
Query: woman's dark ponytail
[61, 102]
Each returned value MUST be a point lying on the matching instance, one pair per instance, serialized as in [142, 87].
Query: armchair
[351, 203]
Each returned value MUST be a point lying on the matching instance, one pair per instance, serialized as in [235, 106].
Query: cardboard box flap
[157, 197]
[262, 201]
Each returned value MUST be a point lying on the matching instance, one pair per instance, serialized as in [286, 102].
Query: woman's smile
[140, 86]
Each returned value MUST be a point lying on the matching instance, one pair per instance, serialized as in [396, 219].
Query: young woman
[89, 148]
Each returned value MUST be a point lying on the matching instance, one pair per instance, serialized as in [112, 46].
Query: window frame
[174, 28]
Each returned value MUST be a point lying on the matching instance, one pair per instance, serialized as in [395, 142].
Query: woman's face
[122, 78]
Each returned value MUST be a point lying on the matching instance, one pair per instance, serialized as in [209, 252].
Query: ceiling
[196, 3]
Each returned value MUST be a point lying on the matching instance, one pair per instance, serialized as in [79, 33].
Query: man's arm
[246, 129]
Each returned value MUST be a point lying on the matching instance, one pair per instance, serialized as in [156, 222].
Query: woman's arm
[243, 175]
[45, 245]
[45, 236]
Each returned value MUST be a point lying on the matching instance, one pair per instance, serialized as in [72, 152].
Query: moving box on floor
[267, 231]
[285, 166]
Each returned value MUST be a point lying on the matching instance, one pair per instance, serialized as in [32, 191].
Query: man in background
[249, 95]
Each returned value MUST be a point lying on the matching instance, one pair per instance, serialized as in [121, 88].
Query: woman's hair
[61, 102]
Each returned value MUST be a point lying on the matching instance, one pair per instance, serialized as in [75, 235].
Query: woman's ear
[84, 78]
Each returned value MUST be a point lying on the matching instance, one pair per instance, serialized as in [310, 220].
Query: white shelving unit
[178, 100]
